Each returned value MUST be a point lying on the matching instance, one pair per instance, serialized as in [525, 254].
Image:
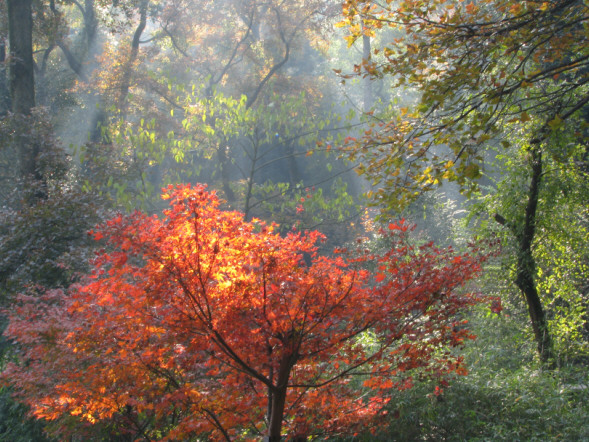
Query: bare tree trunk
[4, 89]
[20, 36]
[366, 57]
[126, 80]
[224, 163]
[90, 24]
[22, 87]
[294, 173]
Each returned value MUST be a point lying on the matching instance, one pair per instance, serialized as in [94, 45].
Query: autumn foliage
[200, 323]
[478, 68]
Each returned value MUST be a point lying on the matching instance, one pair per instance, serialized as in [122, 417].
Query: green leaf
[555, 123]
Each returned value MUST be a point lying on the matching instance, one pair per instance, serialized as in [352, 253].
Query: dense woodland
[293, 220]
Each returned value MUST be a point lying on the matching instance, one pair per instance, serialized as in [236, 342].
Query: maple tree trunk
[526, 284]
[91, 23]
[278, 400]
[276, 416]
[42, 94]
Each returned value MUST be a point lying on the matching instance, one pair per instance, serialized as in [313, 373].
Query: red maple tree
[201, 323]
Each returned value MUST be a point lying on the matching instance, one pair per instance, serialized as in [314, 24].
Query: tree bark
[126, 80]
[367, 86]
[224, 163]
[294, 173]
[20, 36]
[278, 399]
[90, 24]
[22, 87]
[526, 264]
[5, 105]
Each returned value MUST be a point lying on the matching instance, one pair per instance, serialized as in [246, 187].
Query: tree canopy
[203, 323]
[479, 68]
[488, 74]
[195, 321]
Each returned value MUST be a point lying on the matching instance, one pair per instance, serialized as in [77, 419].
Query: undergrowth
[507, 394]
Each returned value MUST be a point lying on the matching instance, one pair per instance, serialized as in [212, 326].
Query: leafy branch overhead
[480, 68]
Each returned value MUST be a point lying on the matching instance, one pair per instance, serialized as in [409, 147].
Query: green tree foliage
[486, 72]
[241, 117]
[477, 67]
[561, 247]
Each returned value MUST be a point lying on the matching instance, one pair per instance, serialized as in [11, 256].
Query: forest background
[469, 119]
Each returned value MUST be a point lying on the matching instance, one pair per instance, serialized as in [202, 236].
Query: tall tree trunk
[294, 173]
[20, 36]
[84, 65]
[224, 163]
[90, 24]
[367, 86]
[22, 86]
[368, 96]
[5, 105]
[526, 264]
[126, 80]
[42, 95]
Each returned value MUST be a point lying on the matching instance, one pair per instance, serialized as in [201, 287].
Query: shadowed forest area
[347, 220]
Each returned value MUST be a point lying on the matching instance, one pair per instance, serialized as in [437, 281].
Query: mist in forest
[242, 96]
[440, 147]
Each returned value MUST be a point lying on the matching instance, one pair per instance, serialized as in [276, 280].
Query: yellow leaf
[515, 8]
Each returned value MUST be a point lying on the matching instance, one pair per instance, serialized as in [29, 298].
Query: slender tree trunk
[99, 119]
[90, 24]
[526, 264]
[224, 162]
[249, 190]
[126, 80]
[42, 95]
[367, 86]
[5, 104]
[294, 173]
